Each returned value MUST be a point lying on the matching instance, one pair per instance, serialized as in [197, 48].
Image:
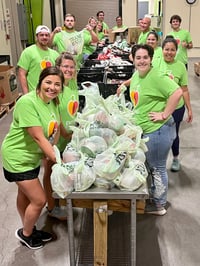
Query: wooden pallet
[9, 106]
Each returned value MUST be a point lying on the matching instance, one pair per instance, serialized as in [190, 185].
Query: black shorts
[15, 177]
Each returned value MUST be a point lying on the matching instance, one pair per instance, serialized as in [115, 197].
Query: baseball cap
[42, 28]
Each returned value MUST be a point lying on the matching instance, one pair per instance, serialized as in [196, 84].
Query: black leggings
[178, 117]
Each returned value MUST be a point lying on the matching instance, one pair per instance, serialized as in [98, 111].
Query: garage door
[83, 9]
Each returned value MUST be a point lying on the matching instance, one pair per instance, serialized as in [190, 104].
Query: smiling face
[142, 61]
[175, 24]
[152, 41]
[67, 66]
[169, 52]
[92, 22]
[50, 87]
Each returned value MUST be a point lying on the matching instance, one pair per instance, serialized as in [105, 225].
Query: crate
[111, 89]
[124, 68]
[197, 68]
[8, 84]
[118, 76]
[91, 74]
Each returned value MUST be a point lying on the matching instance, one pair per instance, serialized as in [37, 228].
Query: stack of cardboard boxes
[8, 85]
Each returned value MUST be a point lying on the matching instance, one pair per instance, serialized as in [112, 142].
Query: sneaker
[58, 212]
[44, 236]
[175, 167]
[153, 209]
[31, 241]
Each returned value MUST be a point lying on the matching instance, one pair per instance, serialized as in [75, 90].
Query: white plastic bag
[84, 174]
[93, 146]
[70, 154]
[132, 177]
[109, 164]
[62, 178]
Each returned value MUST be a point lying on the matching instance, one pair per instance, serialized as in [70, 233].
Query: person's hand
[88, 27]
[184, 44]
[57, 29]
[157, 116]
[189, 116]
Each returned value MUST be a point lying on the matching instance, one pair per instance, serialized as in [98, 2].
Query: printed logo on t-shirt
[45, 62]
[52, 130]
[72, 106]
[178, 41]
[134, 97]
[170, 75]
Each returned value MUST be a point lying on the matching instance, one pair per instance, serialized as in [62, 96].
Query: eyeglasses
[69, 20]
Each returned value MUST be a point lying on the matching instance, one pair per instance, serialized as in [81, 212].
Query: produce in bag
[103, 183]
[125, 144]
[133, 177]
[139, 155]
[93, 146]
[106, 133]
[109, 163]
[84, 174]
[70, 154]
[62, 178]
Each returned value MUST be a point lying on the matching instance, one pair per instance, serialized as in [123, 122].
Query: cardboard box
[8, 84]
[197, 68]
[133, 34]
[113, 34]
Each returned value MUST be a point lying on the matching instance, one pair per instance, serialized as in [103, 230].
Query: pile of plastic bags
[106, 148]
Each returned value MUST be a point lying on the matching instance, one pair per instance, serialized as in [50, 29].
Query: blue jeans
[159, 144]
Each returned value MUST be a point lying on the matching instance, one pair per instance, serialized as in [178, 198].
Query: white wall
[188, 13]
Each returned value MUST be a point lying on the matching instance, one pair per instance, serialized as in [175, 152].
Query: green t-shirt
[123, 27]
[20, 152]
[157, 57]
[68, 107]
[143, 37]
[72, 42]
[104, 26]
[150, 94]
[177, 72]
[34, 60]
[181, 36]
[88, 48]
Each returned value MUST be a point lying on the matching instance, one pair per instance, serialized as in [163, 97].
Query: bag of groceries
[132, 177]
[62, 176]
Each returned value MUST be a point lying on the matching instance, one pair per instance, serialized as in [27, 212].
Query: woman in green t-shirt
[68, 107]
[154, 97]
[35, 128]
[176, 70]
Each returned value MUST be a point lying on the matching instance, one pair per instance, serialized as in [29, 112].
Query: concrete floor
[171, 240]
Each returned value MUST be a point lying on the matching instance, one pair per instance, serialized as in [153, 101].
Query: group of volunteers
[47, 73]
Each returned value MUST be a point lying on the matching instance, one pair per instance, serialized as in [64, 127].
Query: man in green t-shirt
[34, 59]
[100, 17]
[119, 24]
[183, 39]
[67, 39]
[145, 29]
